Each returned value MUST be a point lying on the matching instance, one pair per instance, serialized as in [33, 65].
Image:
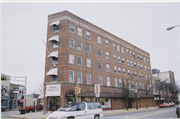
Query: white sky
[24, 25]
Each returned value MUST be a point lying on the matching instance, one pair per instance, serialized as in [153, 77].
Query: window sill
[79, 50]
[88, 67]
[72, 48]
[79, 65]
[55, 31]
[72, 32]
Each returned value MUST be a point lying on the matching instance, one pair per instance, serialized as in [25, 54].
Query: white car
[81, 110]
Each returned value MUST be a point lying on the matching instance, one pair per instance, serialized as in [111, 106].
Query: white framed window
[124, 71]
[138, 56]
[79, 77]
[114, 57]
[134, 54]
[88, 48]
[99, 66]
[79, 46]
[99, 52]
[140, 75]
[119, 60]
[134, 64]
[88, 78]
[116, 85]
[136, 85]
[118, 49]
[122, 50]
[144, 59]
[135, 73]
[114, 46]
[71, 43]
[139, 66]
[143, 85]
[119, 70]
[108, 81]
[53, 78]
[79, 31]
[147, 60]
[129, 83]
[132, 74]
[124, 83]
[99, 39]
[123, 60]
[107, 55]
[127, 62]
[129, 72]
[107, 67]
[88, 63]
[140, 85]
[127, 52]
[133, 84]
[115, 69]
[71, 59]
[106, 43]
[130, 53]
[55, 28]
[100, 79]
[79, 61]
[71, 76]
[55, 44]
[131, 63]
[120, 83]
[148, 69]
[149, 77]
[88, 35]
[72, 28]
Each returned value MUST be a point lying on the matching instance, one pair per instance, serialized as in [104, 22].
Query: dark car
[177, 111]
[3, 108]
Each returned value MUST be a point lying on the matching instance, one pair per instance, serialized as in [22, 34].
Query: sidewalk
[40, 115]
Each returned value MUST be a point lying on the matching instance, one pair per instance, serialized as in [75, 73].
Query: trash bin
[23, 111]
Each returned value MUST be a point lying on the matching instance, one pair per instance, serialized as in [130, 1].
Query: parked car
[82, 110]
[3, 108]
[27, 108]
[39, 107]
[177, 111]
[171, 104]
[164, 105]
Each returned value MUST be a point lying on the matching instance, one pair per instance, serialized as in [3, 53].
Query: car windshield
[67, 107]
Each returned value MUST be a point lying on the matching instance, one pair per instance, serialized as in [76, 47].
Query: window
[107, 55]
[55, 44]
[88, 35]
[108, 81]
[81, 106]
[134, 54]
[119, 60]
[71, 43]
[134, 64]
[123, 60]
[115, 82]
[127, 52]
[140, 85]
[55, 28]
[120, 83]
[139, 66]
[88, 61]
[148, 60]
[130, 53]
[100, 80]
[124, 83]
[149, 77]
[79, 61]
[144, 59]
[107, 67]
[127, 62]
[129, 83]
[72, 28]
[145, 68]
[106, 43]
[119, 70]
[128, 72]
[132, 84]
[79, 77]
[122, 50]
[114, 46]
[118, 48]
[79, 46]
[54, 60]
[150, 86]
[136, 85]
[132, 73]
[71, 59]
[71, 76]
[131, 63]
[114, 57]
[88, 48]
[79, 31]
[138, 56]
[99, 66]
[53, 78]
[88, 78]
[135, 73]
[148, 69]
[99, 52]
[140, 75]
[115, 69]
[99, 39]
[123, 71]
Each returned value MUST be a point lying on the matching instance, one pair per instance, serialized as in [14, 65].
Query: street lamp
[169, 28]
[136, 99]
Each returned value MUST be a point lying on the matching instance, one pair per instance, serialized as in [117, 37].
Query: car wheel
[70, 118]
[96, 117]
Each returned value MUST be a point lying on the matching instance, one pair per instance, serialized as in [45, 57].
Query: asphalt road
[5, 114]
[160, 113]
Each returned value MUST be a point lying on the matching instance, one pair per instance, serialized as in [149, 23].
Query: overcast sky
[24, 25]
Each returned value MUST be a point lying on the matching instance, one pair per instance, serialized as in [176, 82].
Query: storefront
[53, 94]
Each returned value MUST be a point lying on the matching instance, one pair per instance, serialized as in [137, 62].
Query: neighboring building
[30, 100]
[40, 99]
[155, 71]
[80, 52]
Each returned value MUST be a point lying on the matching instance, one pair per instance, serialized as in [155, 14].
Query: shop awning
[103, 94]
[55, 23]
[53, 54]
[144, 95]
[56, 38]
[21, 101]
[53, 72]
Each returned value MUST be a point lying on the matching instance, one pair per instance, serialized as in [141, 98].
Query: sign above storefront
[16, 90]
[53, 90]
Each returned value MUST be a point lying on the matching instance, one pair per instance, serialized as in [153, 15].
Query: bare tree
[174, 90]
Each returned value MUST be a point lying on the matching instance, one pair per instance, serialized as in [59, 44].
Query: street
[160, 113]
[5, 114]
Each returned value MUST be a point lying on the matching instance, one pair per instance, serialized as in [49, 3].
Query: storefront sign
[53, 90]
[16, 90]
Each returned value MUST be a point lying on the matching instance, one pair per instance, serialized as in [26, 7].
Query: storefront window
[105, 102]
[88, 99]
[53, 103]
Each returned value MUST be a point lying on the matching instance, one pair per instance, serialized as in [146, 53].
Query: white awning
[53, 72]
[54, 23]
[56, 38]
[54, 54]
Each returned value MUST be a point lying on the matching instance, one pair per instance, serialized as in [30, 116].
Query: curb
[18, 117]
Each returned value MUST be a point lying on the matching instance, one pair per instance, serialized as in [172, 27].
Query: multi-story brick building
[80, 52]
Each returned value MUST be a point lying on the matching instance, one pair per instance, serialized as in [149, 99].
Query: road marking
[158, 112]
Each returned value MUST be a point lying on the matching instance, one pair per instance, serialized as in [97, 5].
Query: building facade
[155, 71]
[80, 54]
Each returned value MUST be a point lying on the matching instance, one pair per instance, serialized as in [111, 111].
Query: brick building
[79, 52]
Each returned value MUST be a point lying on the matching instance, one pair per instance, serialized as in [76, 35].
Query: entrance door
[57, 104]
[129, 103]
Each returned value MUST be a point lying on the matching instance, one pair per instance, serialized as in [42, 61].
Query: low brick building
[82, 54]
